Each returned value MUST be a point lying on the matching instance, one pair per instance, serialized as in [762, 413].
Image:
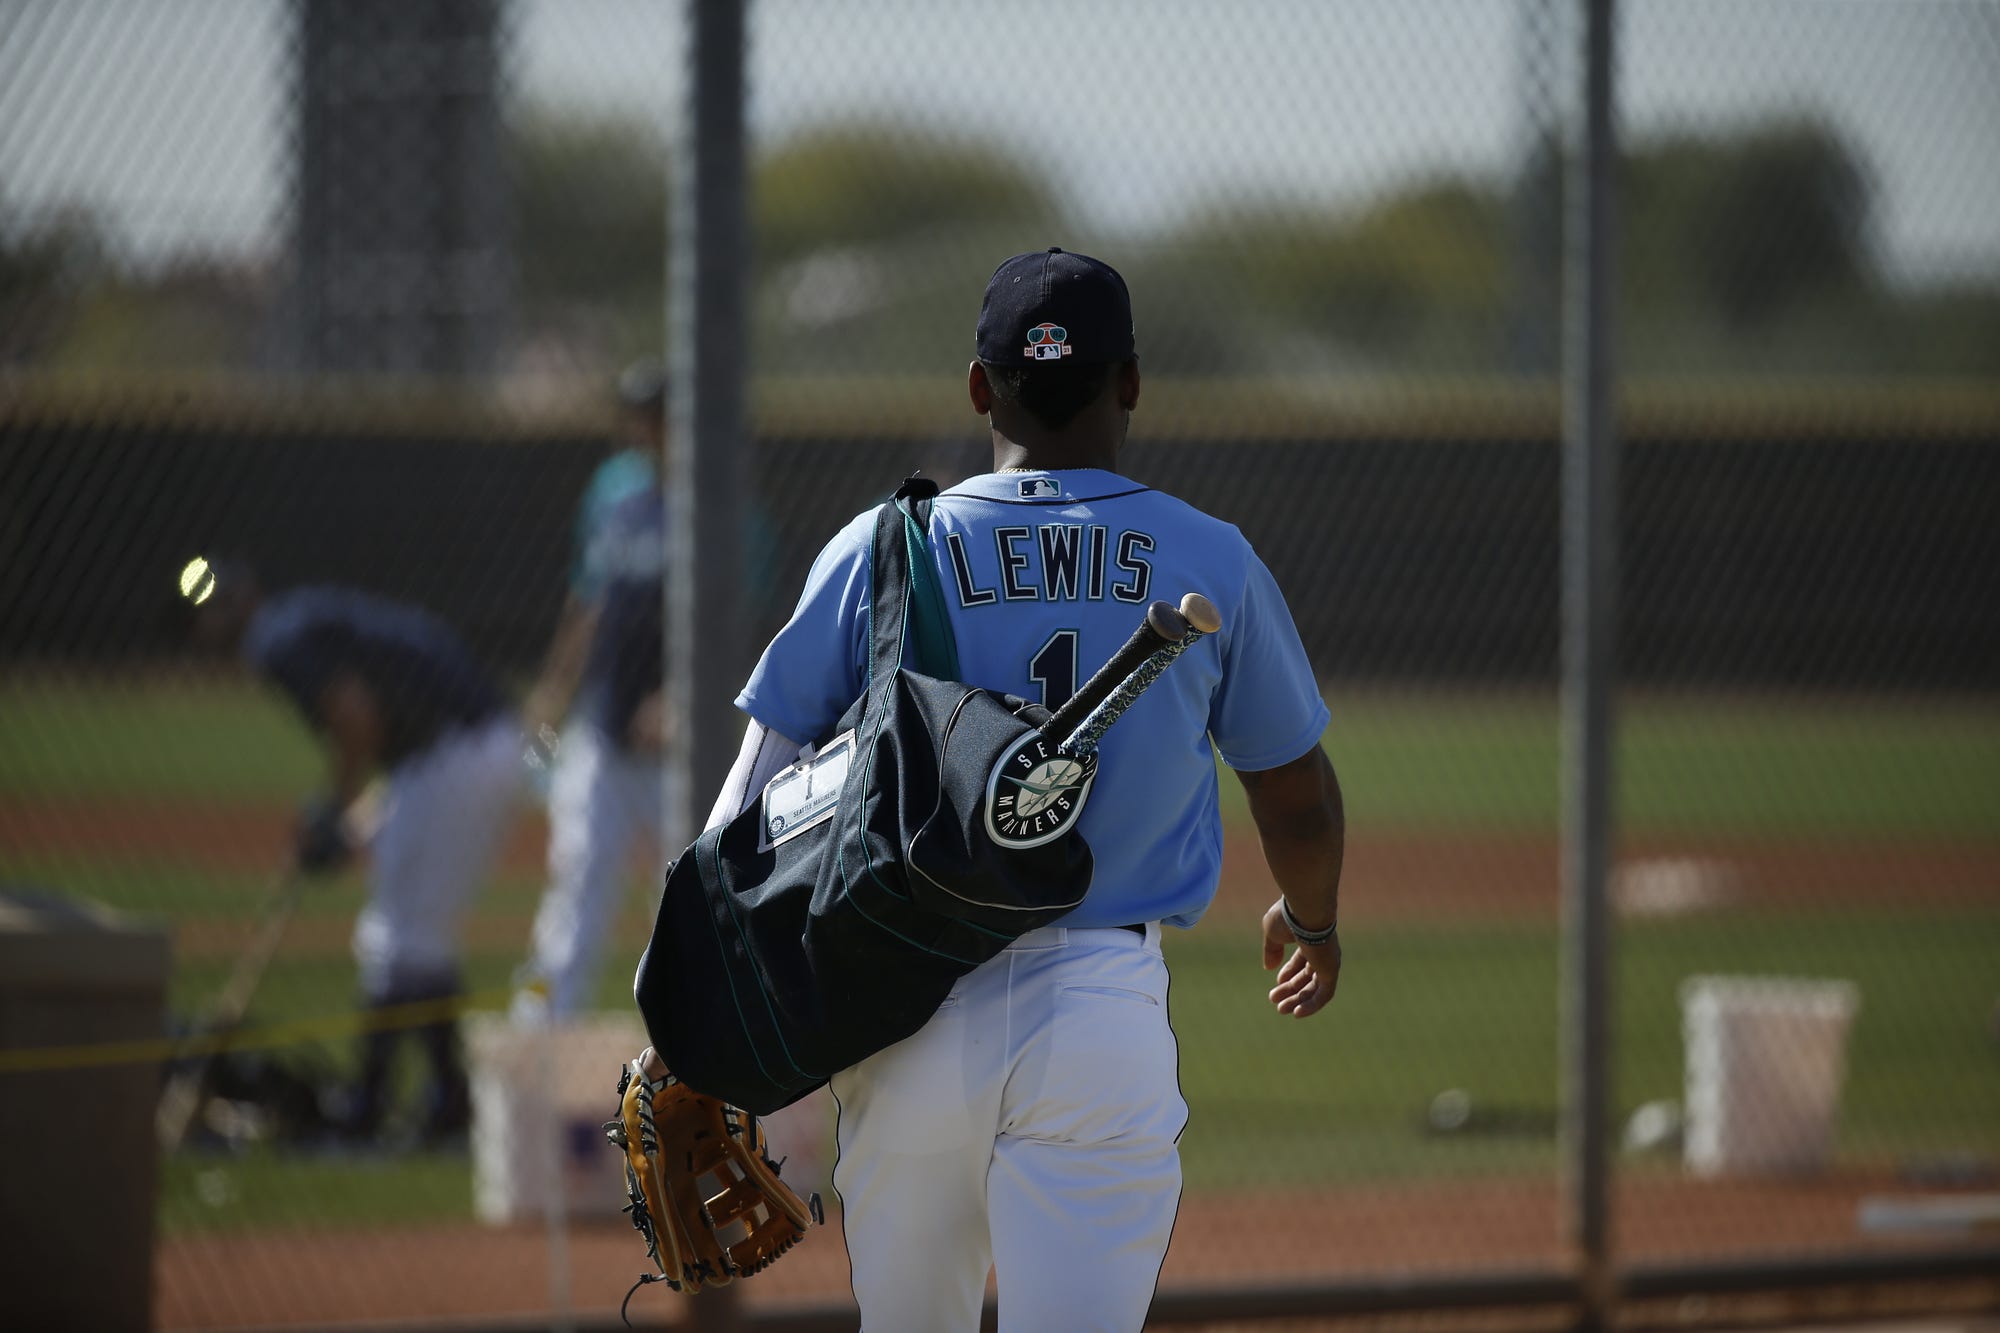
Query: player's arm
[763, 755]
[562, 665]
[1303, 828]
[350, 717]
[651, 727]
[347, 715]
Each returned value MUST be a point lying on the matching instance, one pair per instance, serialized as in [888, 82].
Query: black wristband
[1299, 932]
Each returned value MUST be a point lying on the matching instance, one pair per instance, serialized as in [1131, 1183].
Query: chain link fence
[342, 291]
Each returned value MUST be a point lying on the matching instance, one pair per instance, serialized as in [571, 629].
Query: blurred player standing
[607, 792]
[639, 437]
[603, 671]
[1031, 1125]
[391, 690]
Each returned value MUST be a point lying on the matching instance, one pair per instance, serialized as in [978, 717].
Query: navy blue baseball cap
[1051, 305]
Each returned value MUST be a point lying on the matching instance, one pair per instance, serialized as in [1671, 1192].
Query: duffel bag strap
[908, 623]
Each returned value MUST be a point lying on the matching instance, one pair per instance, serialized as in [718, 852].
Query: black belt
[1136, 930]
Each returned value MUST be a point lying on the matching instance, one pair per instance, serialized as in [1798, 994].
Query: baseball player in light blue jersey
[1031, 1126]
[605, 774]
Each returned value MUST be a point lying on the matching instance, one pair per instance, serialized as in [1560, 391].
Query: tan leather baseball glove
[705, 1193]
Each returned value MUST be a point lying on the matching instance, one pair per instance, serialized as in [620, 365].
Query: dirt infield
[268, 1280]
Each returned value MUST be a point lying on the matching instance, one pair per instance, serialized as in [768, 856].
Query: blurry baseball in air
[1451, 1110]
[1654, 1127]
[197, 580]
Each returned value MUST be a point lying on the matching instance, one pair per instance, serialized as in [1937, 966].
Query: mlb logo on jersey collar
[1039, 488]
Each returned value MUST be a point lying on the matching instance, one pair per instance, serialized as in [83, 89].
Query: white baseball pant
[602, 801]
[1031, 1126]
[444, 812]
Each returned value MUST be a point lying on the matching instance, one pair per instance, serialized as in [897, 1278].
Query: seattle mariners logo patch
[1040, 488]
[1036, 793]
[1048, 342]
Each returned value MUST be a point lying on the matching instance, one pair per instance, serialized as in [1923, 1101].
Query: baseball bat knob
[1200, 614]
[1169, 624]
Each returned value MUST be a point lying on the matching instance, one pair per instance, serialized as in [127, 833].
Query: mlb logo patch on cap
[1048, 342]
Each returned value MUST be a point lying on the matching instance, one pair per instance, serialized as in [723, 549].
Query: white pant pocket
[1113, 1070]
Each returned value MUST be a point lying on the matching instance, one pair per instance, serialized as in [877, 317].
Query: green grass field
[1685, 766]
[1340, 1098]
[1343, 1097]
[122, 740]
[1408, 761]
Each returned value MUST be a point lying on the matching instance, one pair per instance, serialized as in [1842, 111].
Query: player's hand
[539, 747]
[1309, 977]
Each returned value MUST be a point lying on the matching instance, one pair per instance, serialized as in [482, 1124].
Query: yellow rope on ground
[266, 1036]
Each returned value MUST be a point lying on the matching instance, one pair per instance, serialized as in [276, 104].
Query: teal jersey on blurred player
[1045, 575]
[616, 480]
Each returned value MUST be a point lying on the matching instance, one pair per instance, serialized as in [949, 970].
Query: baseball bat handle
[1201, 618]
[181, 1096]
[1161, 626]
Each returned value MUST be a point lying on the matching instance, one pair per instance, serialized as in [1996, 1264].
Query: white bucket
[1765, 1060]
[540, 1097]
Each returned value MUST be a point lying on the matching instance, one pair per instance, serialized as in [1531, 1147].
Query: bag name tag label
[807, 793]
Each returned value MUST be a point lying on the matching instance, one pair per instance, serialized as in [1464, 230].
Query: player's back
[609, 491]
[420, 673]
[625, 661]
[1045, 575]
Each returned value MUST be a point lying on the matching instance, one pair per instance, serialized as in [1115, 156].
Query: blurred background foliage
[1747, 252]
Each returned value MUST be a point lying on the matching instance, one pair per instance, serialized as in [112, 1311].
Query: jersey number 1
[1054, 668]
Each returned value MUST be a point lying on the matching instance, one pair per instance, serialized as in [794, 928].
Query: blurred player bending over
[603, 671]
[389, 689]
[1031, 1125]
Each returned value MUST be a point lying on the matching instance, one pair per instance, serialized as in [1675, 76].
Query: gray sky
[169, 117]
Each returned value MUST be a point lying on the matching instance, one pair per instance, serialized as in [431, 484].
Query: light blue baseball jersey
[1045, 575]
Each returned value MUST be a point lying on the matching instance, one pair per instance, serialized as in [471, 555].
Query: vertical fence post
[1589, 605]
[707, 345]
[707, 348]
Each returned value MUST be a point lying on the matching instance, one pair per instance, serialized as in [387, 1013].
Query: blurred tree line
[1751, 252]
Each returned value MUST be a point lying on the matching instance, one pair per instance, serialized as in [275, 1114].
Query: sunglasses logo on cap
[1048, 342]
